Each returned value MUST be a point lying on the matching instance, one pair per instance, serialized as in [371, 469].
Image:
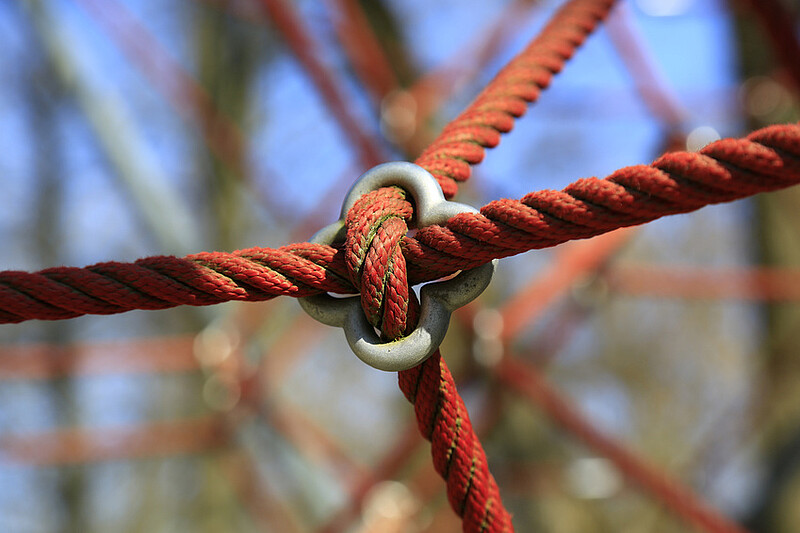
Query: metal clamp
[438, 299]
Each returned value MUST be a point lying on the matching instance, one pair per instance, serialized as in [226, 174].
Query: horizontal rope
[679, 182]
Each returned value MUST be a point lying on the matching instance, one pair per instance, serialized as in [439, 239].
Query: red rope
[641, 64]
[457, 453]
[679, 182]
[299, 270]
[463, 141]
[376, 265]
[376, 225]
[759, 284]
[363, 48]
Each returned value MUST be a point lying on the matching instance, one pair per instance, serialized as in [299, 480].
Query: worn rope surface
[766, 160]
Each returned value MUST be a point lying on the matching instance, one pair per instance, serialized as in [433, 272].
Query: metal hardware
[438, 299]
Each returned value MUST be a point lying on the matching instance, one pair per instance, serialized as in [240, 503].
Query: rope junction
[379, 261]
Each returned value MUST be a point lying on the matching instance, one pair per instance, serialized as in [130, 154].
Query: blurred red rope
[305, 50]
[573, 263]
[82, 445]
[140, 356]
[766, 284]
[364, 50]
[386, 468]
[526, 381]
[648, 79]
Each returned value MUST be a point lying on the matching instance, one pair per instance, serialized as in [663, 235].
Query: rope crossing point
[379, 261]
[376, 226]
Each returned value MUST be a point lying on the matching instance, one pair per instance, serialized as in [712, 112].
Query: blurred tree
[768, 96]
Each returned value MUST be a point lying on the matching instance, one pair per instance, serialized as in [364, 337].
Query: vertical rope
[458, 455]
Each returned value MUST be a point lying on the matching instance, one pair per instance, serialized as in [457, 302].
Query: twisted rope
[679, 182]
[299, 270]
[463, 141]
[376, 226]
[457, 453]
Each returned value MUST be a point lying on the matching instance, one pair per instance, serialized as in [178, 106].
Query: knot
[376, 225]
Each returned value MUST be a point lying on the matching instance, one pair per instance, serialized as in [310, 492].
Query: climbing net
[380, 260]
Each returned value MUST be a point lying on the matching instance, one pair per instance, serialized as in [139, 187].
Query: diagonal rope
[527, 382]
[305, 49]
[464, 140]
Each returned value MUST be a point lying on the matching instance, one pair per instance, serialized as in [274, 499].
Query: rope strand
[463, 141]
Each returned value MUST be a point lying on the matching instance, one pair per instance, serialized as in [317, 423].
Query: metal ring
[438, 299]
